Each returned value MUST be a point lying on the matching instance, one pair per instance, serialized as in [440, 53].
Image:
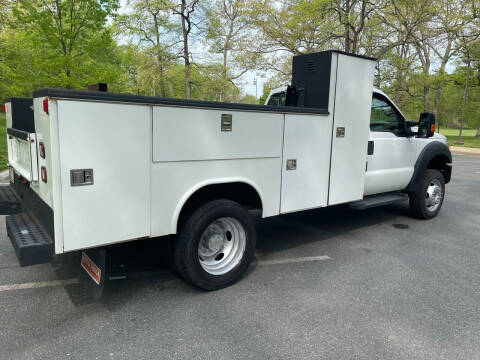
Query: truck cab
[394, 148]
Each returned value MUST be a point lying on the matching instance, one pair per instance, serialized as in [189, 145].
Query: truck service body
[98, 168]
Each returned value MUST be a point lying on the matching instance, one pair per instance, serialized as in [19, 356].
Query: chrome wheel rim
[222, 246]
[433, 196]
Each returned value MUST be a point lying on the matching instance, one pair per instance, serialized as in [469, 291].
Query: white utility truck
[96, 168]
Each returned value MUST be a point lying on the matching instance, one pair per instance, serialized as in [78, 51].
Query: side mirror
[426, 125]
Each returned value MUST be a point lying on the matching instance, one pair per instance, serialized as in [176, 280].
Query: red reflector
[4, 108]
[45, 105]
[41, 147]
[44, 174]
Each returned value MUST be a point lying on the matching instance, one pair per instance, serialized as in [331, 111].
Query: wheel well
[440, 163]
[240, 192]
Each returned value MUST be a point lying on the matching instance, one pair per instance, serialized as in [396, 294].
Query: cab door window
[277, 99]
[385, 118]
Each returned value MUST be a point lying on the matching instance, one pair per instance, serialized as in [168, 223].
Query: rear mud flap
[95, 270]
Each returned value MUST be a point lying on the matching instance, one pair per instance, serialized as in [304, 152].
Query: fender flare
[428, 153]
[196, 187]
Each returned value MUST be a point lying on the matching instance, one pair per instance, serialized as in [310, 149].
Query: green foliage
[468, 136]
[68, 45]
[248, 99]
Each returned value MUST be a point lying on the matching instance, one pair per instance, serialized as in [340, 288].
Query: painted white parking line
[43, 284]
[40, 284]
[294, 260]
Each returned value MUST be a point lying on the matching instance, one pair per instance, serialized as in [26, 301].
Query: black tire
[186, 246]
[418, 200]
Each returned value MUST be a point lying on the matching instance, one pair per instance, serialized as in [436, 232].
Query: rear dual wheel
[215, 245]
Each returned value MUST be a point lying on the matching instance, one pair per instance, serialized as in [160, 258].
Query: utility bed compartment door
[353, 100]
[307, 144]
[113, 140]
[192, 134]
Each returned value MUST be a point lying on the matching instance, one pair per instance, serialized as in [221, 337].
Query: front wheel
[427, 201]
[215, 245]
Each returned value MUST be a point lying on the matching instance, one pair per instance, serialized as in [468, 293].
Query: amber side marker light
[432, 128]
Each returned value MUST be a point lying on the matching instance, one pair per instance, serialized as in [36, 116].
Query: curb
[464, 150]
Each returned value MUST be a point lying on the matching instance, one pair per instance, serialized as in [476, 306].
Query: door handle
[371, 147]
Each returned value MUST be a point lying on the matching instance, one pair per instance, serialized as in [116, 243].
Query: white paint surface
[307, 140]
[182, 134]
[40, 284]
[113, 140]
[353, 98]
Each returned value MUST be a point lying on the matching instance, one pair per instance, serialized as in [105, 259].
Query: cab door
[391, 156]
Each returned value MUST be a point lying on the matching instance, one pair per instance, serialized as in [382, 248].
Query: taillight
[41, 147]
[44, 173]
[45, 105]
[4, 108]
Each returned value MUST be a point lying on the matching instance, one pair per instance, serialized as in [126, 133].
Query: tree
[149, 24]
[468, 51]
[248, 99]
[186, 11]
[449, 19]
[353, 16]
[68, 37]
[228, 26]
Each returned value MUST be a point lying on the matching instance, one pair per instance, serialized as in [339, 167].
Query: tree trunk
[439, 87]
[426, 86]
[436, 104]
[162, 81]
[224, 75]
[477, 135]
[426, 98]
[348, 40]
[465, 94]
[188, 93]
[186, 56]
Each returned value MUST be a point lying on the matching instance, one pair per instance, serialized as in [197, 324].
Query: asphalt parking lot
[326, 284]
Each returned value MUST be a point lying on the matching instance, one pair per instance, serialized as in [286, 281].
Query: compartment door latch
[79, 177]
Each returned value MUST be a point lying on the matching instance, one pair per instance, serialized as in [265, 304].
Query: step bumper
[30, 241]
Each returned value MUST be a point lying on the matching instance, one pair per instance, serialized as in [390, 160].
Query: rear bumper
[31, 243]
[33, 204]
[31, 232]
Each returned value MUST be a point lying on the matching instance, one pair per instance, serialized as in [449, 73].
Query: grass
[468, 136]
[3, 142]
